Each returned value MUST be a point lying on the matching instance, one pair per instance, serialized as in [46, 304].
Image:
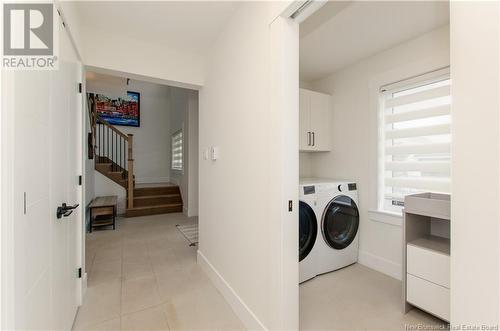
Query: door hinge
[290, 205]
[80, 180]
[79, 272]
[24, 203]
[80, 88]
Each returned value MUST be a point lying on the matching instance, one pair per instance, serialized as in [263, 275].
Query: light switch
[215, 153]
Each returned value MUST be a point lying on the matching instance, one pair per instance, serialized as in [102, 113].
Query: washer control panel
[310, 189]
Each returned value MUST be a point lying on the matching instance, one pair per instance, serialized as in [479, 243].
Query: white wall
[151, 147]
[475, 274]
[354, 136]
[305, 165]
[184, 115]
[142, 58]
[69, 12]
[151, 139]
[243, 246]
[103, 186]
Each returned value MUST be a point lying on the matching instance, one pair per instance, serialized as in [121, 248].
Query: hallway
[144, 276]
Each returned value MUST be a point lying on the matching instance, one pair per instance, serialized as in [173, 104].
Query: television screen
[119, 111]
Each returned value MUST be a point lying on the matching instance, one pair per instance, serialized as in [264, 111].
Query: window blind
[177, 150]
[415, 139]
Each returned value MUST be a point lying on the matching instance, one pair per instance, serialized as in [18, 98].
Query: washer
[338, 225]
[309, 231]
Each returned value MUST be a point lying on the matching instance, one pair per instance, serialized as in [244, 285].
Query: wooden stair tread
[157, 187]
[158, 196]
[156, 206]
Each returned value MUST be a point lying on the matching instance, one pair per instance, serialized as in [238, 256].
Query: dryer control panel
[347, 187]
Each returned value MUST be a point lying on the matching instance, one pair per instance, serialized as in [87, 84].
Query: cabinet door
[320, 105]
[304, 120]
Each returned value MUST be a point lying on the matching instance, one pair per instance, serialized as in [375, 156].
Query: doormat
[190, 232]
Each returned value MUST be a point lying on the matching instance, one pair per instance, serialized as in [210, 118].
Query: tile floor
[144, 276]
[357, 298]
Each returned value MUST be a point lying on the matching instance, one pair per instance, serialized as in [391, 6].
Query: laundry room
[374, 143]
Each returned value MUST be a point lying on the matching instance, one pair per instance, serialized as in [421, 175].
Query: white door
[64, 187]
[45, 176]
[304, 121]
[320, 121]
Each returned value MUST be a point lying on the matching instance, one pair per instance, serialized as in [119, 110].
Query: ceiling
[184, 25]
[343, 32]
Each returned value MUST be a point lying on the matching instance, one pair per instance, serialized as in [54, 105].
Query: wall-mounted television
[124, 111]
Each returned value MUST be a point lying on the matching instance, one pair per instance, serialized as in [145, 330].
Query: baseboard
[244, 313]
[152, 180]
[84, 285]
[380, 264]
[191, 212]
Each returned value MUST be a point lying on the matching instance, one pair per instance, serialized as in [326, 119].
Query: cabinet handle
[314, 140]
[309, 138]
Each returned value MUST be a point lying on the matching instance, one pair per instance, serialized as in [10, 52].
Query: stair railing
[115, 147]
[130, 185]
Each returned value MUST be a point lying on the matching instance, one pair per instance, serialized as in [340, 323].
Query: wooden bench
[103, 211]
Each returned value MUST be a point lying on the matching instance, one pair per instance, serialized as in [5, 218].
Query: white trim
[417, 79]
[302, 9]
[192, 212]
[380, 86]
[380, 264]
[382, 216]
[245, 314]
[7, 211]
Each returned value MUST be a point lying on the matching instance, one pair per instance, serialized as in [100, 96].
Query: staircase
[113, 155]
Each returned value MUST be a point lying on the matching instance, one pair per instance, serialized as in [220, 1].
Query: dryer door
[340, 222]
[308, 229]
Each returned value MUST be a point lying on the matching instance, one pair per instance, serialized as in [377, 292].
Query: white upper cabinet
[314, 121]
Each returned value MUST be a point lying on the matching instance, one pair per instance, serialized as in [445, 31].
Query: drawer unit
[428, 264]
[426, 253]
[428, 296]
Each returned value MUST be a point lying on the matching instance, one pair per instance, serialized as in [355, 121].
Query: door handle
[314, 140]
[309, 138]
[65, 210]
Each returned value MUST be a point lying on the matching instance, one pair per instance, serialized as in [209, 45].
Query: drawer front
[428, 296]
[428, 265]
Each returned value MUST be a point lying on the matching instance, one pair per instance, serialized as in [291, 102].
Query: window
[177, 150]
[415, 138]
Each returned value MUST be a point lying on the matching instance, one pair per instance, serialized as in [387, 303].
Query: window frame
[426, 78]
[172, 137]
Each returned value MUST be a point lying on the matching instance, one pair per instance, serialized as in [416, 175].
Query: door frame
[284, 119]
[7, 152]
